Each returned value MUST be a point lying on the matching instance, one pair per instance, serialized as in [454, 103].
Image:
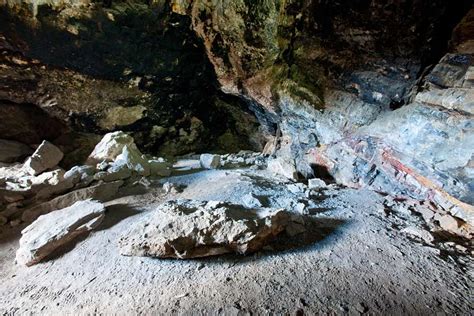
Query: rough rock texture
[189, 229]
[209, 161]
[350, 98]
[53, 230]
[110, 147]
[45, 157]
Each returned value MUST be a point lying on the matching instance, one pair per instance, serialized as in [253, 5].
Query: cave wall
[378, 93]
[130, 65]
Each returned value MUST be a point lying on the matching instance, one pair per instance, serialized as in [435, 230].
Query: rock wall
[129, 65]
[352, 88]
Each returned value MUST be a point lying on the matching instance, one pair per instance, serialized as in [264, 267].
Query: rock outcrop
[51, 231]
[190, 229]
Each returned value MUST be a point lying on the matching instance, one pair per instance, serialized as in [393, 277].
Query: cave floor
[354, 260]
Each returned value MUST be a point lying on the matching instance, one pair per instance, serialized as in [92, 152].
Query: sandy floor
[353, 260]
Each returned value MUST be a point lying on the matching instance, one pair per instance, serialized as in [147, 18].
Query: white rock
[114, 173]
[102, 192]
[110, 147]
[79, 173]
[420, 233]
[45, 157]
[251, 201]
[283, 167]
[190, 229]
[316, 183]
[133, 160]
[170, 187]
[296, 188]
[11, 151]
[50, 183]
[55, 229]
[210, 161]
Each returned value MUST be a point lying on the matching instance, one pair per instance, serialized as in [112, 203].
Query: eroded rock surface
[51, 231]
[189, 229]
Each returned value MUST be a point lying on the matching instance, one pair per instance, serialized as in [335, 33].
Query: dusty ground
[353, 260]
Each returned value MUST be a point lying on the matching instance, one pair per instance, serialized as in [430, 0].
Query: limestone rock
[420, 233]
[283, 167]
[79, 173]
[209, 161]
[114, 173]
[131, 158]
[102, 192]
[45, 157]
[110, 147]
[53, 230]
[11, 151]
[189, 229]
[50, 183]
[449, 223]
[316, 183]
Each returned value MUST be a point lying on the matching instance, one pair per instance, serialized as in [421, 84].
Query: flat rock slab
[190, 229]
[55, 229]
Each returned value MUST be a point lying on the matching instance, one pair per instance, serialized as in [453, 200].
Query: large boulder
[189, 229]
[45, 157]
[11, 151]
[53, 230]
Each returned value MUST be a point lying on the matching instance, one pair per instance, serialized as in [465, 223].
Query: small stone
[449, 223]
[45, 157]
[461, 248]
[316, 183]
[296, 188]
[283, 167]
[426, 213]
[79, 173]
[420, 233]
[3, 220]
[209, 161]
[15, 223]
[361, 308]
[300, 208]
[169, 187]
[251, 201]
